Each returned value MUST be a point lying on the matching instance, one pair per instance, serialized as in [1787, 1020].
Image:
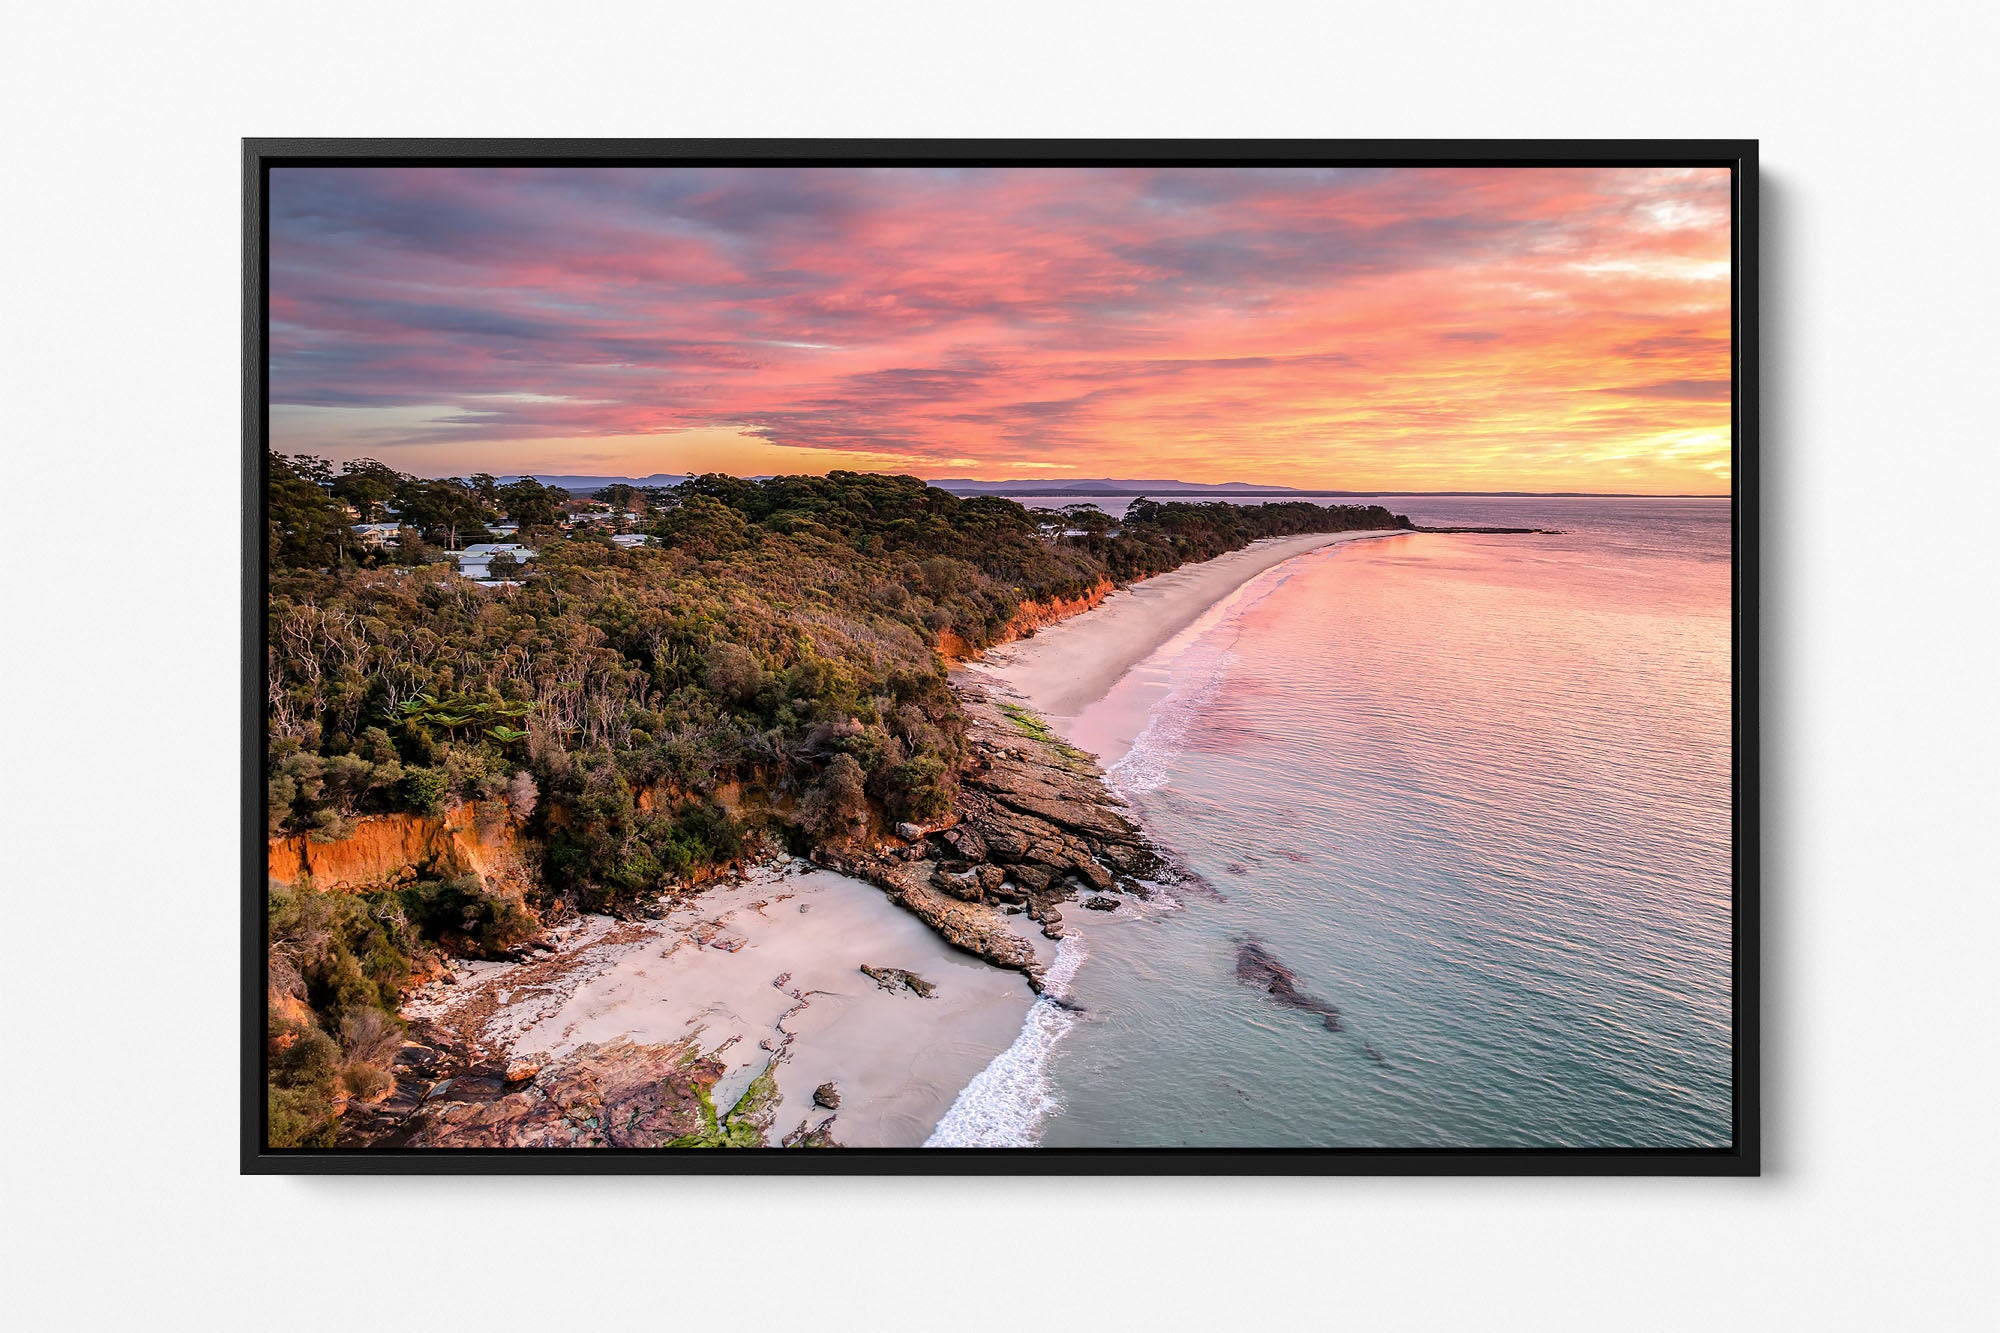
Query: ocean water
[1473, 791]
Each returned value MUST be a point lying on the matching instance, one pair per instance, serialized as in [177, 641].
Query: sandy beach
[1067, 667]
[770, 968]
[767, 968]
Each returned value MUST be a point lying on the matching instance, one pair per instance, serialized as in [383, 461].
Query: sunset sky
[1437, 329]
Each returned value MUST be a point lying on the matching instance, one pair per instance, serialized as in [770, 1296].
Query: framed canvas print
[997, 657]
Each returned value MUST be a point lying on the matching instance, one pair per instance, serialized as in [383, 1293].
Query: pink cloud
[1345, 328]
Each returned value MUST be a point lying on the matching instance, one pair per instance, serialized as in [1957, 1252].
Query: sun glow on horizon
[1389, 329]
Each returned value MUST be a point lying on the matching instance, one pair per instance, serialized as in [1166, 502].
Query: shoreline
[1065, 668]
[1068, 673]
[761, 975]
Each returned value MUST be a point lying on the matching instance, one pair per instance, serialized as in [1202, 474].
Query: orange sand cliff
[1031, 616]
[388, 849]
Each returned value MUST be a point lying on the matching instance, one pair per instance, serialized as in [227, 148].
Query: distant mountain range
[967, 486]
[1084, 488]
[1108, 486]
[579, 485]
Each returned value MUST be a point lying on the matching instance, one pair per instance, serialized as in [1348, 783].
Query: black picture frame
[1743, 1158]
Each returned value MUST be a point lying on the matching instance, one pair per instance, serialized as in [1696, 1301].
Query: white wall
[119, 795]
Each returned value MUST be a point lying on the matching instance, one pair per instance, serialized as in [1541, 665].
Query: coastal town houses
[598, 518]
[378, 535]
[476, 561]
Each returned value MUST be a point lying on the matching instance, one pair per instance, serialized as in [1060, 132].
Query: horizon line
[1133, 490]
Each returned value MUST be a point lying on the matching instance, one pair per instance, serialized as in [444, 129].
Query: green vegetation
[1032, 726]
[767, 671]
[336, 967]
[748, 1121]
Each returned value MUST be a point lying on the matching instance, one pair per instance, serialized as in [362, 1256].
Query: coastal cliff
[1030, 616]
[384, 851]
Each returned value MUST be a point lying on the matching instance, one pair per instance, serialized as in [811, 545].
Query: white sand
[897, 1059]
[1067, 667]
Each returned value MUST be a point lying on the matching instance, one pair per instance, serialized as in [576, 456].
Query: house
[628, 540]
[378, 534]
[476, 560]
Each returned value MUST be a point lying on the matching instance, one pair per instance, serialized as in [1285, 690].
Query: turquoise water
[1474, 792]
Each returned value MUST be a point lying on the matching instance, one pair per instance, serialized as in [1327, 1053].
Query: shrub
[299, 1117]
[424, 789]
[917, 788]
[838, 803]
[366, 1082]
[371, 1036]
[733, 673]
[467, 919]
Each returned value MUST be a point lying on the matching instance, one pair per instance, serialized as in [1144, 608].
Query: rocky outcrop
[615, 1094]
[893, 979]
[1038, 807]
[976, 927]
[1258, 966]
[1035, 827]
[386, 850]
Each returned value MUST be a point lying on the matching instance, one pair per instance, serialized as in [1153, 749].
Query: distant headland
[1117, 487]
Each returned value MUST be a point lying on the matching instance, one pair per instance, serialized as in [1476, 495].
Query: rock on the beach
[809, 1135]
[1101, 904]
[521, 1071]
[959, 879]
[1032, 821]
[965, 841]
[828, 1096]
[974, 927]
[909, 832]
[1007, 891]
[1033, 878]
[899, 979]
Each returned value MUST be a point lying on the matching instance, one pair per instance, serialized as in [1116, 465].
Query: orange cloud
[1471, 328]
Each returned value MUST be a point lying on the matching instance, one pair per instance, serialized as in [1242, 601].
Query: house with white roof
[628, 540]
[476, 560]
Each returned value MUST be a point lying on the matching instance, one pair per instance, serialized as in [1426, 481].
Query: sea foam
[1006, 1105]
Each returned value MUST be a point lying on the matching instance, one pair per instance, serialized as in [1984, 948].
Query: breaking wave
[1007, 1103]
